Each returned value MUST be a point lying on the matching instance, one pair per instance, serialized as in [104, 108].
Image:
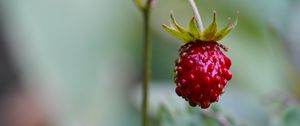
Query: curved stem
[197, 15]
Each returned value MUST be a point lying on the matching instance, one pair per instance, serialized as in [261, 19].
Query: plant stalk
[146, 9]
[147, 66]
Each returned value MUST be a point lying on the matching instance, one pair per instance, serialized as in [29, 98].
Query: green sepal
[177, 34]
[193, 28]
[178, 27]
[193, 33]
[210, 32]
[181, 29]
[222, 33]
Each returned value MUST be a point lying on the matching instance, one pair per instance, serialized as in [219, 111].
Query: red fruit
[201, 72]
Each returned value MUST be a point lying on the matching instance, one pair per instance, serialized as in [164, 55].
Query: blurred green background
[82, 58]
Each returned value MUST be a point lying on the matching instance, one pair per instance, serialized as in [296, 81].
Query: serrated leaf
[193, 28]
[177, 33]
[222, 33]
[211, 30]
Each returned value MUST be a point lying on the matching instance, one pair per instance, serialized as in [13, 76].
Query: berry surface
[201, 72]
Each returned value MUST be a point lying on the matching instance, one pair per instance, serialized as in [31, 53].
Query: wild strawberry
[202, 70]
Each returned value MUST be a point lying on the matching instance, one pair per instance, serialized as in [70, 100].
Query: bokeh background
[79, 62]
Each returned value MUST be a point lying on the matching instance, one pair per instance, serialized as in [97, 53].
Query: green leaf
[193, 28]
[177, 33]
[221, 34]
[211, 30]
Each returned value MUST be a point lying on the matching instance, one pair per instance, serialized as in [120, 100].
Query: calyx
[193, 34]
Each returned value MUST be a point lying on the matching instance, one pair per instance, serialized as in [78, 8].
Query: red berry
[202, 71]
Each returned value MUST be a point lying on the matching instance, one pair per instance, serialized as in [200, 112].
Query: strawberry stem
[197, 15]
